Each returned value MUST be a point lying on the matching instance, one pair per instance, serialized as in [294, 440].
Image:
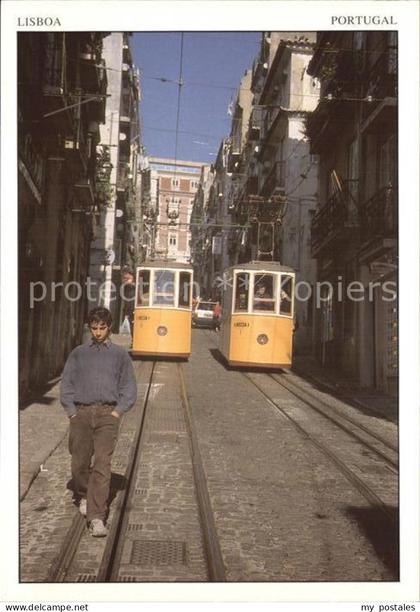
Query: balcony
[255, 125]
[382, 75]
[327, 120]
[31, 157]
[126, 106]
[84, 194]
[275, 181]
[123, 176]
[251, 185]
[381, 112]
[379, 216]
[270, 120]
[96, 108]
[259, 71]
[234, 160]
[91, 64]
[54, 77]
[336, 221]
[76, 149]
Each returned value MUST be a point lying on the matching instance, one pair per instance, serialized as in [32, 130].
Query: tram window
[164, 288]
[264, 292]
[241, 292]
[286, 292]
[184, 289]
[143, 288]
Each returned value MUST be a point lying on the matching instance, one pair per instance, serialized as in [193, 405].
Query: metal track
[108, 570]
[62, 563]
[340, 394]
[109, 566]
[390, 456]
[213, 554]
[364, 489]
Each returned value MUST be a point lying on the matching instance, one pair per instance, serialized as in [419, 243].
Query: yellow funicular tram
[162, 315]
[257, 315]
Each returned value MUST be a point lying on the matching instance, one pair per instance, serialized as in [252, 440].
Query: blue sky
[213, 64]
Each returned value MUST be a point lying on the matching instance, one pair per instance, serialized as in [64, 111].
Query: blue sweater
[98, 373]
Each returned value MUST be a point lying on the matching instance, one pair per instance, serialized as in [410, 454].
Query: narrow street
[225, 206]
[286, 495]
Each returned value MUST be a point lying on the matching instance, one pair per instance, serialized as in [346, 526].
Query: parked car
[203, 314]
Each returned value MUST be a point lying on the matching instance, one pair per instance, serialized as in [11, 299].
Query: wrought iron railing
[269, 119]
[123, 176]
[54, 75]
[251, 185]
[379, 215]
[32, 158]
[339, 213]
[255, 124]
[382, 80]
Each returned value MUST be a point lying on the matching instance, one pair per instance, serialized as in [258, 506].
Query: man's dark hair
[100, 315]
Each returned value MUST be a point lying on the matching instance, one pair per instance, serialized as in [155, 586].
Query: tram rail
[109, 567]
[369, 438]
[364, 489]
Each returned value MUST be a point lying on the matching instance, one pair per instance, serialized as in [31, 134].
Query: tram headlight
[262, 339]
[162, 330]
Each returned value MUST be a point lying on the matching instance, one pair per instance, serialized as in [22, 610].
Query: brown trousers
[93, 432]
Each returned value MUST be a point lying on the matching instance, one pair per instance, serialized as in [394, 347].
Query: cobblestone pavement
[164, 540]
[42, 427]
[382, 424]
[283, 512]
[366, 399]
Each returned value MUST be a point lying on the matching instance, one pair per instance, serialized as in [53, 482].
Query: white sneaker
[97, 528]
[83, 507]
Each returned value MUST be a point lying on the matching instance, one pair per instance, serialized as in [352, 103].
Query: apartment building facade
[62, 85]
[355, 229]
[176, 183]
[201, 243]
[117, 242]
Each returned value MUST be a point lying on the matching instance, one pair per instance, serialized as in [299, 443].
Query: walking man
[97, 387]
[129, 292]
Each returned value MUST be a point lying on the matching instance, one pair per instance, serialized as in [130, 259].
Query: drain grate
[156, 553]
[165, 420]
[135, 527]
[125, 443]
[167, 436]
[86, 578]
[140, 491]
[127, 579]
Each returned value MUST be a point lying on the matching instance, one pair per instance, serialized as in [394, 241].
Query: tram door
[224, 334]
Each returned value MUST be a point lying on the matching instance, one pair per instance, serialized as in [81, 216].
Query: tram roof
[178, 265]
[268, 266]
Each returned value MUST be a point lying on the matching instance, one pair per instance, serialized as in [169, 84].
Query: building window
[194, 184]
[184, 289]
[164, 288]
[241, 291]
[175, 182]
[143, 288]
[172, 239]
